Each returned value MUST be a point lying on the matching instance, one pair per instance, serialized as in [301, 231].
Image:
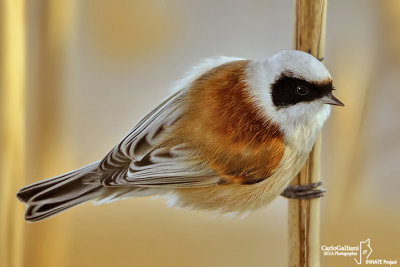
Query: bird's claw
[308, 191]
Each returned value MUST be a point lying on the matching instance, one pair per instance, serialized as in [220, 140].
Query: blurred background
[76, 76]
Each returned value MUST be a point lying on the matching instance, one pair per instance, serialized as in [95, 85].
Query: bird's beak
[331, 100]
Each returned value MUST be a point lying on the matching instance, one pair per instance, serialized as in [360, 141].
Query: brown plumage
[223, 126]
[225, 129]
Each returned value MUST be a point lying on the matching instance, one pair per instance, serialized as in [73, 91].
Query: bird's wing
[141, 160]
[140, 140]
[163, 167]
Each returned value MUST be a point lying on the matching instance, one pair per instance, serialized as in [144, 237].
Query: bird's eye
[302, 90]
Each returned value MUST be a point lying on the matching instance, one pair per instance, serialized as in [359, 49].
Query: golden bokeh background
[76, 75]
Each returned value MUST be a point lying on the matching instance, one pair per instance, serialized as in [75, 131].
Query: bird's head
[293, 87]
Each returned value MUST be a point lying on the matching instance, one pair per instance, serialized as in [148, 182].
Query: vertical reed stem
[304, 215]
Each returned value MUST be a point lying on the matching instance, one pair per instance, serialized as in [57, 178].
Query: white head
[292, 89]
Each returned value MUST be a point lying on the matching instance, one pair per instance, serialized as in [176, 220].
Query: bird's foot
[304, 191]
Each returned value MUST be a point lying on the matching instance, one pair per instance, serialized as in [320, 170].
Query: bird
[229, 139]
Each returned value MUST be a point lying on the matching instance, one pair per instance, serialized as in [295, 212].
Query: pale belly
[239, 197]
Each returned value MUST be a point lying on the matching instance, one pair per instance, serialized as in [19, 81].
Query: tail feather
[51, 196]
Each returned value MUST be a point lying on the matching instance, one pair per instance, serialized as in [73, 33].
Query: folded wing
[142, 160]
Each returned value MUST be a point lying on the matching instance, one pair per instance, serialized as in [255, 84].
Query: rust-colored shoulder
[225, 128]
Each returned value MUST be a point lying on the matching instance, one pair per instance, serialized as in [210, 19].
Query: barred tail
[54, 195]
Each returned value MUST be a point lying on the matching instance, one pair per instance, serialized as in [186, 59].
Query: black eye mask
[288, 91]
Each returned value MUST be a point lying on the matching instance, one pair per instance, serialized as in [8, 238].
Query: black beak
[332, 100]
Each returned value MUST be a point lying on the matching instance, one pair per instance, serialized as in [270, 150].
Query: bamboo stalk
[12, 124]
[304, 215]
